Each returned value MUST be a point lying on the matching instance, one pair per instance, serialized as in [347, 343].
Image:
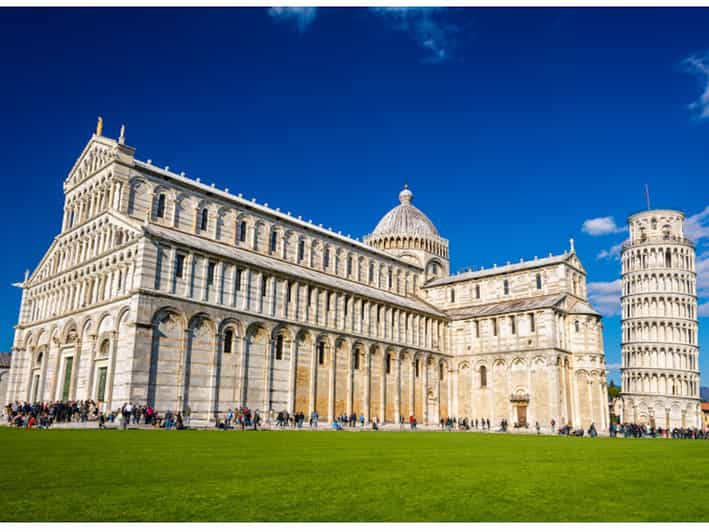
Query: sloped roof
[581, 307]
[506, 307]
[269, 263]
[508, 268]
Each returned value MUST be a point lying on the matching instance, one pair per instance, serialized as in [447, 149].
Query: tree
[613, 390]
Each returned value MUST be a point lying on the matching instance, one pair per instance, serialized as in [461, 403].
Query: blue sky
[513, 127]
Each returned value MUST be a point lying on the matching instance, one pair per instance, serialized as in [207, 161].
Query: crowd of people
[43, 415]
[633, 430]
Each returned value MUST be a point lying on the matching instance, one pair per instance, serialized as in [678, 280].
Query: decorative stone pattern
[660, 354]
[162, 290]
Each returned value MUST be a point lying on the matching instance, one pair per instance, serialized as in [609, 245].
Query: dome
[405, 219]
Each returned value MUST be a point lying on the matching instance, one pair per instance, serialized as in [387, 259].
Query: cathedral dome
[405, 219]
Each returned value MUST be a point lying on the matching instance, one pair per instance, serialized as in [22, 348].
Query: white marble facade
[660, 352]
[163, 290]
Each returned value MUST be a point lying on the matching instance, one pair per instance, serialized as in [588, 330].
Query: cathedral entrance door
[522, 414]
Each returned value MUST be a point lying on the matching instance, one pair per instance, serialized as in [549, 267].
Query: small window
[326, 259]
[310, 295]
[476, 326]
[531, 322]
[205, 220]
[238, 280]
[349, 266]
[210, 273]
[279, 347]
[506, 285]
[179, 265]
[228, 340]
[388, 364]
[418, 363]
[161, 206]
[477, 291]
[440, 372]
[513, 325]
[539, 281]
[274, 241]
[327, 302]
[356, 360]
[494, 326]
[301, 250]
[483, 376]
[321, 353]
[371, 272]
[577, 326]
[390, 283]
[452, 295]
[654, 224]
[264, 283]
[434, 268]
[242, 231]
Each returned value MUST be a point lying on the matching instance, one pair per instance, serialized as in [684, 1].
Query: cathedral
[167, 291]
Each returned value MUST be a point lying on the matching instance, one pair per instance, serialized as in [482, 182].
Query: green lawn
[89, 475]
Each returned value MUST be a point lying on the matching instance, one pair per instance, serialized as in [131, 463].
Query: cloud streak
[302, 17]
[696, 227]
[699, 66]
[605, 297]
[611, 253]
[426, 26]
[601, 226]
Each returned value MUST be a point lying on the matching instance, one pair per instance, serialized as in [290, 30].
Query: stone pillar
[182, 369]
[331, 384]
[214, 377]
[412, 387]
[242, 370]
[111, 371]
[92, 363]
[424, 393]
[292, 369]
[367, 383]
[383, 389]
[270, 348]
[350, 382]
[397, 381]
[313, 375]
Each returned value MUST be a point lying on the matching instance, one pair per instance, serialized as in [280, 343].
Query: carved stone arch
[87, 328]
[463, 365]
[518, 363]
[283, 329]
[499, 363]
[233, 324]
[258, 328]
[304, 335]
[69, 332]
[138, 196]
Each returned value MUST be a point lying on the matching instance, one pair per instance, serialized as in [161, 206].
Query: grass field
[82, 475]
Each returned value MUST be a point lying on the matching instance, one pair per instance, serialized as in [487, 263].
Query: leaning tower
[660, 369]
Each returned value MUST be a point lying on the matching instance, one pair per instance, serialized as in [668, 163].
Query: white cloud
[601, 226]
[301, 16]
[426, 26]
[703, 310]
[605, 297]
[699, 66]
[696, 227]
[612, 253]
[613, 366]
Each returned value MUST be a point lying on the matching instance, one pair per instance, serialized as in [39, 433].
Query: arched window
[668, 258]
[654, 224]
[274, 241]
[301, 250]
[228, 340]
[483, 376]
[161, 206]
[371, 272]
[440, 372]
[279, 347]
[577, 326]
[242, 231]
[105, 345]
[39, 358]
[418, 364]
[326, 258]
[349, 265]
[204, 220]
[388, 364]
[356, 359]
[539, 281]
